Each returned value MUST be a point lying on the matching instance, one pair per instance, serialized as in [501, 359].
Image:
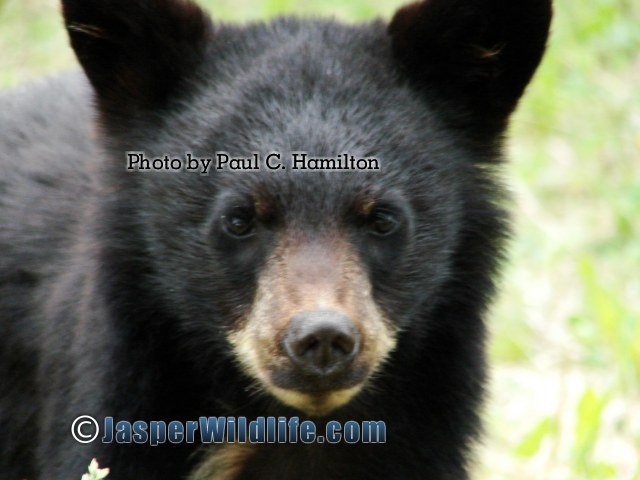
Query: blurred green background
[565, 350]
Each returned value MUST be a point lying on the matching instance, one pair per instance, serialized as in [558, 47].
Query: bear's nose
[321, 342]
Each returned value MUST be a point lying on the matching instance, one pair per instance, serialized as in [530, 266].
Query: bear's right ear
[478, 53]
[135, 52]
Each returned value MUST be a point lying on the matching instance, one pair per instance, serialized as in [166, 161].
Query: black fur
[115, 290]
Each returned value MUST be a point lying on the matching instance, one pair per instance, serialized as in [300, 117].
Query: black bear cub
[296, 220]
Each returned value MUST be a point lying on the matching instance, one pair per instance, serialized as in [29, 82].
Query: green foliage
[532, 441]
[569, 316]
[95, 473]
[610, 328]
[589, 419]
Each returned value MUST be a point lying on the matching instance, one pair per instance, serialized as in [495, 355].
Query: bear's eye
[239, 223]
[383, 223]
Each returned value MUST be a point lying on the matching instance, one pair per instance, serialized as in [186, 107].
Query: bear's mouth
[318, 385]
[317, 394]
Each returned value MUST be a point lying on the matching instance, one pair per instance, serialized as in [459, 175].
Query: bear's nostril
[321, 342]
[305, 345]
[344, 344]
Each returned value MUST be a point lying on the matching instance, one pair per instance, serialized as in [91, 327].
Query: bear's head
[312, 280]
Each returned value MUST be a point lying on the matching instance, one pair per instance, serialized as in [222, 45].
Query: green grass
[566, 327]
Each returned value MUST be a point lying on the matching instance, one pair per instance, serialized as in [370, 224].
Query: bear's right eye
[239, 223]
[383, 223]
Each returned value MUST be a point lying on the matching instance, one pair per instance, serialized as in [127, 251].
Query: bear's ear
[136, 51]
[480, 52]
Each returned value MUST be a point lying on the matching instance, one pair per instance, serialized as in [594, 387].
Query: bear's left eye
[239, 223]
[383, 222]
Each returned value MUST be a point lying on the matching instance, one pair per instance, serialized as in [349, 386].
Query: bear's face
[308, 274]
[309, 278]
[342, 251]
[252, 254]
[268, 252]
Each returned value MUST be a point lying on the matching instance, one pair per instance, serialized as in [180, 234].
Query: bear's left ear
[478, 52]
[135, 52]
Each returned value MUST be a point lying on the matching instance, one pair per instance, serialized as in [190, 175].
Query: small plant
[95, 473]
